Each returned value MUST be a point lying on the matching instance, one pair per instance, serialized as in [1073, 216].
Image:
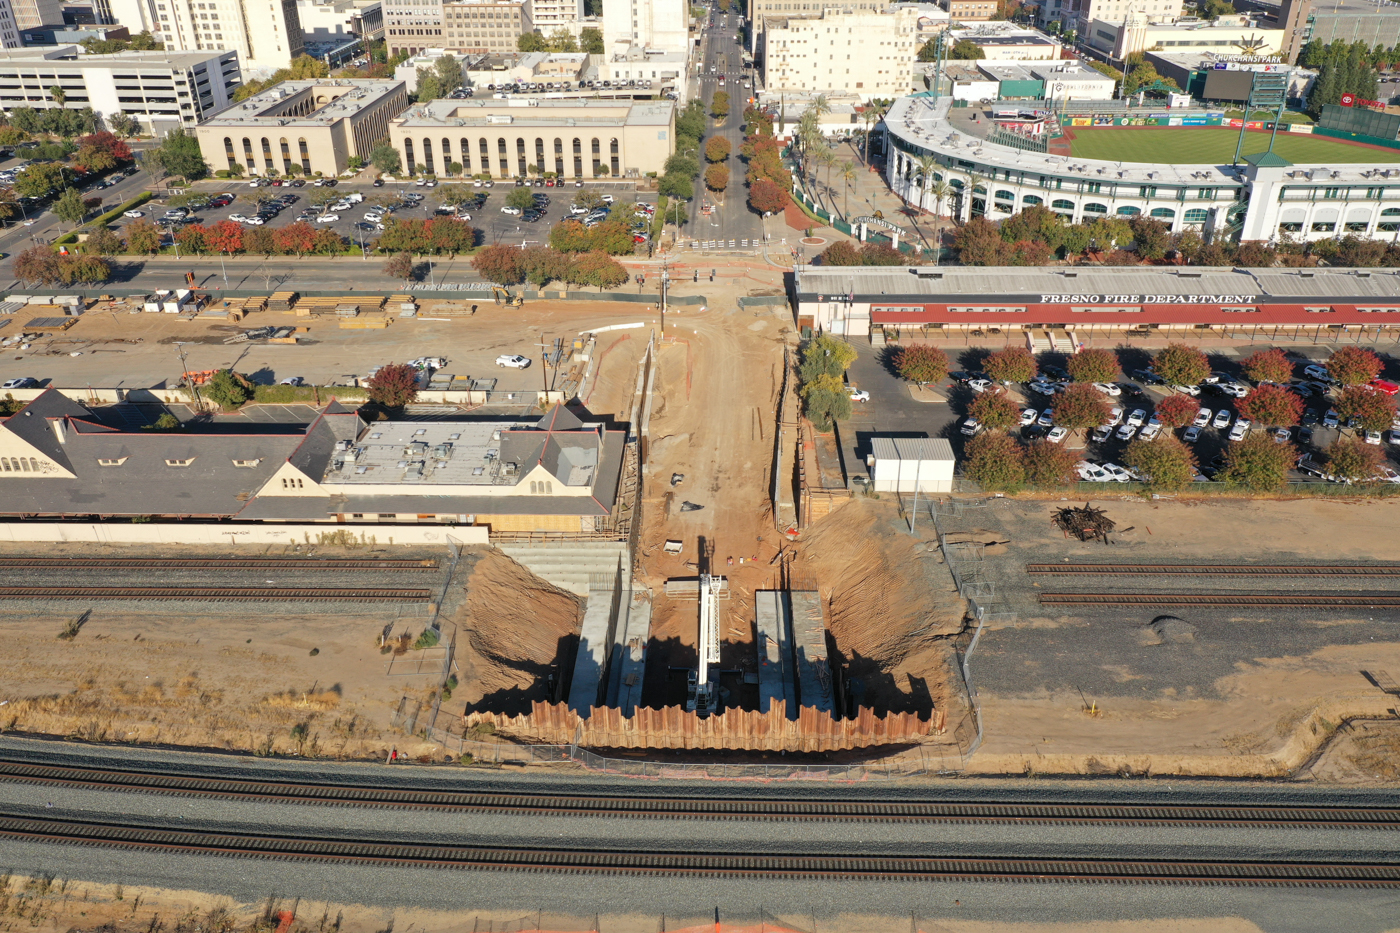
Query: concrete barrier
[250, 533]
[98, 395]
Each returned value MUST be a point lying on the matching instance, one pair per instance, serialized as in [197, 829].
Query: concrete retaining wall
[250, 533]
[95, 395]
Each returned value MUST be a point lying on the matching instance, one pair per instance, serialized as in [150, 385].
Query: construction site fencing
[412, 718]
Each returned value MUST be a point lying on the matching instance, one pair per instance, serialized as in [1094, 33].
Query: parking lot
[495, 226]
[893, 410]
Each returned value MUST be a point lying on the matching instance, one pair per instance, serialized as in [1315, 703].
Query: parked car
[1331, 419]
[1192, 434]
[980, 385]
[1108, 388]
[1119, 474]
[857, 395]
[1028, 416]
[1137, 418]
[1221, 420]
[1202, 418]
[1047, 418]
[292, 381]
[1373, 437]
[133, 214]
[1192, 391]
[1126, 432]
[23, 382]
[507, 209]
[1283, 435]
[1150, 431]
[1233, 389]
[1317, 371]
[1057, 434]
[971, 427]
[1241, 428]
[1102, 433]
[327, 218]
[512, 361]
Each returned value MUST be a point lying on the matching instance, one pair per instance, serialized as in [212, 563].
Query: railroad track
[69, 564]
[217, 593]
[711, 808]
[697, 864]
[1260, 600]
[1221, 570]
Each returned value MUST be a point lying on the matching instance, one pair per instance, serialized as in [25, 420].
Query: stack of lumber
[338, 305]
[282, 301]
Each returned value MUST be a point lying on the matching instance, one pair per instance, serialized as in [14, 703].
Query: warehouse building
[504, 138]
[1062, 305]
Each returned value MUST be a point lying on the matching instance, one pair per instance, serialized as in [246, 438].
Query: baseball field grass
[1215, 145]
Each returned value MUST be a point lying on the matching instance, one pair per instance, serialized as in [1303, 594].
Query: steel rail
[235, 563]
[712, 808]
[1263, 600]
[128, 837]
[1221, 570]
[408, 594]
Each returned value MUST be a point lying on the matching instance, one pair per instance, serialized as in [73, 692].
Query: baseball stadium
[1179, 166]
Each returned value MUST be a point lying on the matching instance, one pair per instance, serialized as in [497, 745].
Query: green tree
[400, 266]
[1258, 463]
[826, 356]
[394, 386]
[1080, 407]
[966, 50]
[385, 158]
[921, 364]
[597, 268]
[1093, 365]
[719, 105]
[69, 207]
[591, 40]
[1353, 459]
[1177, 410]
[717, 177]
[142, 237]
[1048, 464]
[1151, 237]
[1164, 462]
[449, 71]
[531, 42]
[1014, 364]
[1272, 405]
[227, 389]
[561, 40]
[1374, 410]
[1354, 366]
[102, 242]
[995, 410]
[928, 52]
[38, 179]
[180, 155]
[499, 264]
[1181, 365]
[839, 253]
[995, 460]
[979, 243]
[1268, 366]
[522, 198]
[826, 401]
[717, 149]
[429, 85]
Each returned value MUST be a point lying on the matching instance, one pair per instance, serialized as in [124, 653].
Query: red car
[549, 182]
[1384, 385]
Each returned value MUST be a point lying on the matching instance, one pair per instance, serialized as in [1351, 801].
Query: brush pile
[1085, 523]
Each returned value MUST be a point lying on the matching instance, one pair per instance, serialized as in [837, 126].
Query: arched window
[286, 155]
[305, 155]
[1390, 220]
[558, 156]
[1031, 200]
[597, 157]
[25, 464]
[613, 159]
[427, 154]
[979, 189]
[1004, 195]
[251, 162]
[1391, 212]
[1060, 204]
[1163, 213]
[957, 183]
[503, 156]
[534, 488]
[485, 151]
[1095, 209]
[267, 154]
[408, 156]
[1197, 215]
[5, 464]
[229, 153]
[1129, 211]
[466, 156]
[540, 165]
[520, 163]
[578, 157]
[446, 153]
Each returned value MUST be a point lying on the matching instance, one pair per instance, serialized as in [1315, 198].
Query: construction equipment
[702, 694]
[506, 298]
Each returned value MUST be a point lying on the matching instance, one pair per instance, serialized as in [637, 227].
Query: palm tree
[58, 95]
[848, 175]
[827, 156]
[874, 113]
[927, 164]
[940, 190]
[820, 106]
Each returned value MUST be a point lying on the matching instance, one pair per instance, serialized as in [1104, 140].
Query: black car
[331, 183]
[1309, 418]
[520, 183]
[379, 183]
[531, 216]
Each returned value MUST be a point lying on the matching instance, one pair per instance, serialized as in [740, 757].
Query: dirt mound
[518, 630]
[1167, 630]
[890, 603]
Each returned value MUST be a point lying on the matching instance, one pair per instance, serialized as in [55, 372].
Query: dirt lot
[243, 679]
[136, 350]
[1172, 690]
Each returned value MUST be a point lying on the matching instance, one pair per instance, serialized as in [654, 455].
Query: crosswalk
[723, 244]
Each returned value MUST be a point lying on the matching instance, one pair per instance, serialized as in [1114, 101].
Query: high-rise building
[492, 26]
[869, 54]
[9, 31]
[266, 34]
[553, 15]
[648, 24]
[30, 14]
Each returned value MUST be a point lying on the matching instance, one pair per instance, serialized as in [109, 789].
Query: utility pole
[665, 279]
[184, 370]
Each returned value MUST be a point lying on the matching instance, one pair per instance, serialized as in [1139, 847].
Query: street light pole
[222, 268]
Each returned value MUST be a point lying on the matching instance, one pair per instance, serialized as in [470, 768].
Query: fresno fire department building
[1051, 304]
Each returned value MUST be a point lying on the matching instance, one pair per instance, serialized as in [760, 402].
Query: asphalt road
[722, 58]
[1282, 909]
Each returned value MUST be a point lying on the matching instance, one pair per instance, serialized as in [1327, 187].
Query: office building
[9, 31]
[31, 14]
[762, 9]
[266, 34]
[315, 124]
[867, 53]
[160, 90]
[71, 35]
[1235, 35]
[1004, 42]
[662, 25]
[475, 26]
[1078, 14]
[340, 21]
[528, 136]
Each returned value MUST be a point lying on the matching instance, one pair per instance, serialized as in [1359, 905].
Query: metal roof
[911, 448]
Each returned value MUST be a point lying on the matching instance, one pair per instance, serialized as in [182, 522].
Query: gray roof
[911, 448]
[347, 97]
[982, 285]
[290, 508]
[143, 482]
[538, 112]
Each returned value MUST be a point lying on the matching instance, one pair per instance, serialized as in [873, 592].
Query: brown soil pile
[1361, 752]
[518, 630]
[890, 604]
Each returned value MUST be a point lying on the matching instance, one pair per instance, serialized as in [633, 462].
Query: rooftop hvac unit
[342, 446]
[361, 469]
[495, 435]
[512, 469]
[442, 452]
